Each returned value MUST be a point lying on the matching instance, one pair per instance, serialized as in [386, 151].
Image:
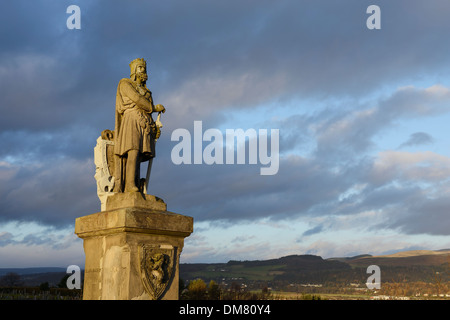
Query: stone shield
[157, 268]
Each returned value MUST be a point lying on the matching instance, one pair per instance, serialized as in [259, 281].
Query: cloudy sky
[363, 118]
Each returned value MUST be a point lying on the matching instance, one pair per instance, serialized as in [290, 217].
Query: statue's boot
[130, 178]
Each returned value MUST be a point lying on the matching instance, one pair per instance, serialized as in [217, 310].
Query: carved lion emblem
[157, 264]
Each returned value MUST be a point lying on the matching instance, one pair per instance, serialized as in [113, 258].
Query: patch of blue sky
[437, 127]
[19, 231]
[239, 240]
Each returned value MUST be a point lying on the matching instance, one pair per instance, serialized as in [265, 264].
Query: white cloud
[423, 166]
[42, 255]
[40, 245]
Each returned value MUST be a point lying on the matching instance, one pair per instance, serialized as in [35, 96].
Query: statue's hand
[160, 108]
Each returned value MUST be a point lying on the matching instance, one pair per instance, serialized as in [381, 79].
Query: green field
[238, 271]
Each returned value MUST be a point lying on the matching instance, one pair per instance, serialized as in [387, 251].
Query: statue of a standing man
[135, 130]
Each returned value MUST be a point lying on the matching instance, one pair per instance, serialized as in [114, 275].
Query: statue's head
[138, 70]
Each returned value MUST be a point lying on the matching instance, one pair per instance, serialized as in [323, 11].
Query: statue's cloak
[134, 126]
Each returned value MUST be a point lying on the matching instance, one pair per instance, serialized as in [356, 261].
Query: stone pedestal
[132, 249]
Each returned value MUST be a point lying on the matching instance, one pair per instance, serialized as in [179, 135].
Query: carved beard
[142, 76]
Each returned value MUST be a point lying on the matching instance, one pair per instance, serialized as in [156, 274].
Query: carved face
[141, 73]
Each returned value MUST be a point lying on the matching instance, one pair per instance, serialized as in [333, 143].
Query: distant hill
[413, 253]
[22, 271]
[33, 277]
[346, 259]
[418, 265]
[262, 270]
[405, 259]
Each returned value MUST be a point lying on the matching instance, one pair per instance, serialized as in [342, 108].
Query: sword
[150, 162]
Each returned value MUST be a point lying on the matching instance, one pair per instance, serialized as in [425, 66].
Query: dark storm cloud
[422, 216]
[53, 193]
[403, 185]
[237, 192]
[72, 142]
[208, 58]
[199, 60]
[199, 49]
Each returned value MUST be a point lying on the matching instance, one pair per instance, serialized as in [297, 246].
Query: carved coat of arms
[157, 264]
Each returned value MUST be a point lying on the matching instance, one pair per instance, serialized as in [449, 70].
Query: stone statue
[133, 244]
[135, 129]
[119, 153]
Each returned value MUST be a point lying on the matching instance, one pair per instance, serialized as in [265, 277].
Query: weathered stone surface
[135, 200]
[135, 130]
[119, 153]
[134, 220]
[113, 244]
[133, 245]
[103, 158]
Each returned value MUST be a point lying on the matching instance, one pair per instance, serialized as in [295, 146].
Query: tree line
[198, 290]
